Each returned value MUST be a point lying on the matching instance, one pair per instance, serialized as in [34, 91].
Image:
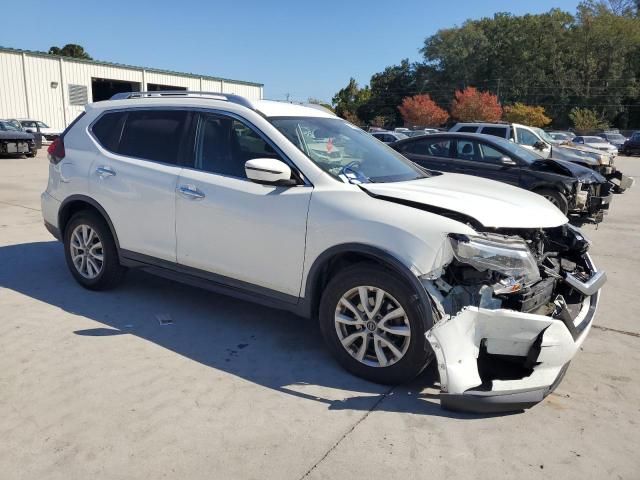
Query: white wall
[51, 105]
[12, 94]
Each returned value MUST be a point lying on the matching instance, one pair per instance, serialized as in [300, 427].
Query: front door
[482, 160]
[244, 232]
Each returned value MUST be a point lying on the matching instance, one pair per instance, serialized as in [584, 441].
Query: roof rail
[229, 97]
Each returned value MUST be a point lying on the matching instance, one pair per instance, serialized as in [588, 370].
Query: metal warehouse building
[55, 89]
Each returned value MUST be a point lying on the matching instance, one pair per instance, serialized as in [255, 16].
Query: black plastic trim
[210, 281]
[476, 401]
[94, 204]
[53, 230]
[312, 295]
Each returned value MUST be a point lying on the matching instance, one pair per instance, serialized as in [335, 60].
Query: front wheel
[555, 197]
[371, 323]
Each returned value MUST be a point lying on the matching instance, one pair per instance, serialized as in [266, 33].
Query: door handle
[104, 172]
[191, 192]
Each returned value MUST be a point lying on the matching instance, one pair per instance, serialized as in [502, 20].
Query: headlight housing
[509, 256]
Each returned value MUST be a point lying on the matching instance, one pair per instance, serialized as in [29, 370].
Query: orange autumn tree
[471, 105]
[421, 110]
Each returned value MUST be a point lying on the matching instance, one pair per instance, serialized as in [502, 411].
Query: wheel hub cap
[86, 251]
[372, 326]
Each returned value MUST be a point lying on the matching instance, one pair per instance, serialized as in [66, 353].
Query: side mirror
[269, 171]
[29, 130]
[540, 146]
[504, 160]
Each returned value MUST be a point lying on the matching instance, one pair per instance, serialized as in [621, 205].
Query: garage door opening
[104, 88]
[156, 87]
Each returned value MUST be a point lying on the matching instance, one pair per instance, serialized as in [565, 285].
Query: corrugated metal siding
[172, 80]
[47, 104]
[211, 85]
[249, 91]
[13, 102]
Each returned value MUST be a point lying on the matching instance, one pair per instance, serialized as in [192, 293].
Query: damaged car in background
[546, 146]
[14, 141]
[574, 189]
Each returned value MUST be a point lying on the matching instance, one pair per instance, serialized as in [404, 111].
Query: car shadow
[268, 347]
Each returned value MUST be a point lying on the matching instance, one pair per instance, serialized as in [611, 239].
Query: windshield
[615, 136]
[544, 135]
[525, 154]
[8, 127]
[42, 125]
[345, 151]
[593, 139]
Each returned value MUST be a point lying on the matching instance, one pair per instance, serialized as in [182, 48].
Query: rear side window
[467, 129]
[433, 148]
[153, 135]
[495, 131]
[108, 130]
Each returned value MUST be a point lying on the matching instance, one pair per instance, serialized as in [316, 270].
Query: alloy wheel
[86, 251]
[372, 326]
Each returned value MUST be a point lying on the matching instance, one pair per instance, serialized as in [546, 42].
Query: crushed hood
[492, 204]
[563, 167]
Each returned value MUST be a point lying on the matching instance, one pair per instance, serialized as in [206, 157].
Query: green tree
[349, 99]
[584, 119]
[70, 50]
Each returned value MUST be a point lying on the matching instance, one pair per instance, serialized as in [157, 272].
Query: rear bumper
[501, 360]
[50, 207]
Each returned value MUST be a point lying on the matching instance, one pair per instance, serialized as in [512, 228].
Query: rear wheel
[555, 197]
[372, 325]
[91, 253]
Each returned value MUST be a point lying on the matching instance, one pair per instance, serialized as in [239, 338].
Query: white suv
[292, 207]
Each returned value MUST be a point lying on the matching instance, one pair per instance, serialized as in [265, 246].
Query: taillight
[56, 151]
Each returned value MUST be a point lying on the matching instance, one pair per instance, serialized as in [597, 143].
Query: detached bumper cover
[541, 345]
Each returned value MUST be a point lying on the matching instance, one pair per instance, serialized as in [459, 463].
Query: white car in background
[597, 143]
[295, 208]
[36, 126]
[388, 136]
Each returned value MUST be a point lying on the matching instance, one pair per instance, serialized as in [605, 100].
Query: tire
[90, 273]
[555, 197]
[30, 155]
[415, 353]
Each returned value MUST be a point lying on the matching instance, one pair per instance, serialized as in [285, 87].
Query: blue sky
[301, 48]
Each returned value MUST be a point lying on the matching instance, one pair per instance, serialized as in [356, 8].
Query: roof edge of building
[130, 67]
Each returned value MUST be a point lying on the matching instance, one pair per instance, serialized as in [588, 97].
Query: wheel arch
[77, 203]
[329, 262]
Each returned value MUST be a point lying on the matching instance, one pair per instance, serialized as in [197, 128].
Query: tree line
[553, 67]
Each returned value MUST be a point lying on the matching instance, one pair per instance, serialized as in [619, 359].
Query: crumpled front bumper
[545, 345]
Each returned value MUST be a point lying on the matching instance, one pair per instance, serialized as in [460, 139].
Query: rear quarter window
[108, 129]
[495, 131]
[467, 129]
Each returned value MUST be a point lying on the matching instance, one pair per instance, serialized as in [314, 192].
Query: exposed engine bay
[511, 309]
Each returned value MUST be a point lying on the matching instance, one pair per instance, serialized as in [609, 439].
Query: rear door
[475, 157]
[135, 173]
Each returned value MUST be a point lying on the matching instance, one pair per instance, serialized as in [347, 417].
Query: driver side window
[224, 144]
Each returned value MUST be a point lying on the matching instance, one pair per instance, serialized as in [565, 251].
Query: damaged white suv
[292, 207]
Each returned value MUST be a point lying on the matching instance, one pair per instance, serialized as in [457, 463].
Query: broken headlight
[509, 256]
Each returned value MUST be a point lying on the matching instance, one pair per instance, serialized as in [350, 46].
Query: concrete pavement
[91, 385]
